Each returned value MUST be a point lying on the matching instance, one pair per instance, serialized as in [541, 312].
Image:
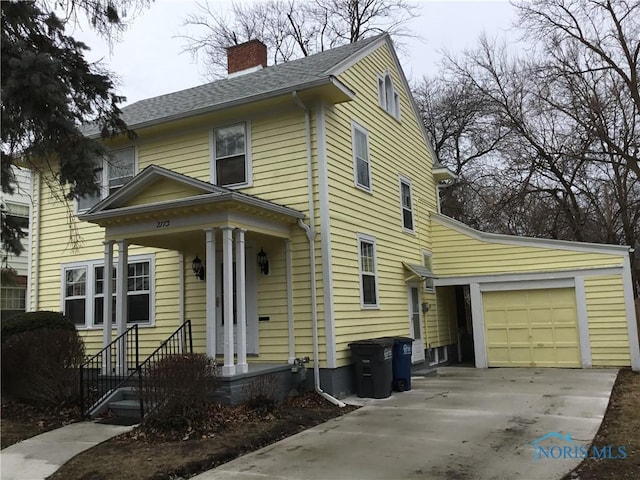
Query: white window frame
[90, 288]
[402, 180]
[104, 186]
[389, 100]
[429, 284]
[362, 237]
[248, 165]
[356, 127]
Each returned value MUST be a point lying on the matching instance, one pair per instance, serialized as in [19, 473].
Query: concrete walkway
[461, 423]
[40, 456]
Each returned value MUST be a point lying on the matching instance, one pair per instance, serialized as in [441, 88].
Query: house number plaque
[163, 224]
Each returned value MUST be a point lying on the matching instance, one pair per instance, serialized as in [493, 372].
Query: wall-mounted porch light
[198, 268]
[263, 262]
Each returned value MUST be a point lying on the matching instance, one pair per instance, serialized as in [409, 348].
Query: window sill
[363, 189]
[370, 307]
[409, 232]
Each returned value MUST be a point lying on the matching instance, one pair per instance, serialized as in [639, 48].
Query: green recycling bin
[373, 365]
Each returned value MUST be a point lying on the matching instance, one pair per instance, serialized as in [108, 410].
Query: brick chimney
[251, 55]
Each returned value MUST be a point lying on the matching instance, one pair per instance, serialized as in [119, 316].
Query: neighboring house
[16, 267]
[308, 193]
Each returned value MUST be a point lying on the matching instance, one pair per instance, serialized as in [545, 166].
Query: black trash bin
[402, 350]
[373, 360]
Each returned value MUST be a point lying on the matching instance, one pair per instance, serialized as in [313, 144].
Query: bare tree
[290, 28]
[566, 121]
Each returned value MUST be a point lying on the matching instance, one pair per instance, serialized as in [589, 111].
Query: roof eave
[344, 93]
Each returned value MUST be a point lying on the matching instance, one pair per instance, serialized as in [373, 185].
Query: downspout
[311, 235]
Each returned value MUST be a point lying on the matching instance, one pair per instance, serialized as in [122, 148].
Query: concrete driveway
[461, 423]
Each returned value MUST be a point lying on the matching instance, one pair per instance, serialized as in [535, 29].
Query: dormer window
[388, 97]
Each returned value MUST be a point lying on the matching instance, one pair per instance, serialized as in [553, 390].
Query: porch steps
[125, 404]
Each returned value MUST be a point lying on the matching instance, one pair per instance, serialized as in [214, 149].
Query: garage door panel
[537, 327]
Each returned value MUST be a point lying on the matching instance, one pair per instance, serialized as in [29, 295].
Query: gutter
[311, 235]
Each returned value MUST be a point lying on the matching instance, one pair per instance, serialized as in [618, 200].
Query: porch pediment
[160, 201]
[155, 184]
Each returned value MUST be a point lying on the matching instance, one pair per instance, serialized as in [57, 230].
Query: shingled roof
[267, 82]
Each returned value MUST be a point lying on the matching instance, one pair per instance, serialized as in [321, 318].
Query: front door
[251, 306]
[415, 323]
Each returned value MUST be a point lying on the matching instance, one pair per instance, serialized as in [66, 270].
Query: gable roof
[306, 72]
[113, 204]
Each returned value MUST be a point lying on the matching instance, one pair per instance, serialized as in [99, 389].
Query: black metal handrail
[179, 342]
[108, 369]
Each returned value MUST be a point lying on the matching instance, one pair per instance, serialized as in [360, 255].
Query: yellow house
[304, 197]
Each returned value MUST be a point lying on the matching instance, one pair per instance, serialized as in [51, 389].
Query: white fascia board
[527, 276]
[342, 87]
[530, 241]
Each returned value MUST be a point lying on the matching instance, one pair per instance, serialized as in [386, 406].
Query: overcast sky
[148, 61]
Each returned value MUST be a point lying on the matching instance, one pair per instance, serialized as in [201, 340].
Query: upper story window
[111, 174]
[368, 271]
[231, 159]
[361, 161]
[406, 203]
[388, 97]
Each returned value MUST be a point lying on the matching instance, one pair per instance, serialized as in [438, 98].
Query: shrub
[30, 321]
[262, 394]
[40, 366]
[178, 390]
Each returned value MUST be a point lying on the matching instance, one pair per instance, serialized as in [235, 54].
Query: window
[388, 97]
[84, 292]
[406, 204]
[75, 294]
[361, 163]
[111, 174]
[138, 292]
[428, 263]
[230, 158]
[367, 263]
[98, 304]
[13, 298]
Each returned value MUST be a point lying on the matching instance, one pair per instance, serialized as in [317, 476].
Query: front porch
[216, 235]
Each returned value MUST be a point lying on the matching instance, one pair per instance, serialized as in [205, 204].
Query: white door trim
[417, 352]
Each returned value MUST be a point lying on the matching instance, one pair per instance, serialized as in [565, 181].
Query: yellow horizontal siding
[458, 254]
[608, 331]
[162, 191]
[396, 148]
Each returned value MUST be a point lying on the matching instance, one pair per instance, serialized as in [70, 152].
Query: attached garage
[532, 328]
[537, 302]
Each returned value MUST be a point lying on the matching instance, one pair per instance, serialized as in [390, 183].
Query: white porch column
[289, 273]
[121, 303]
[241, 287]
[210, 288]
[227, 281]
[107, 311]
